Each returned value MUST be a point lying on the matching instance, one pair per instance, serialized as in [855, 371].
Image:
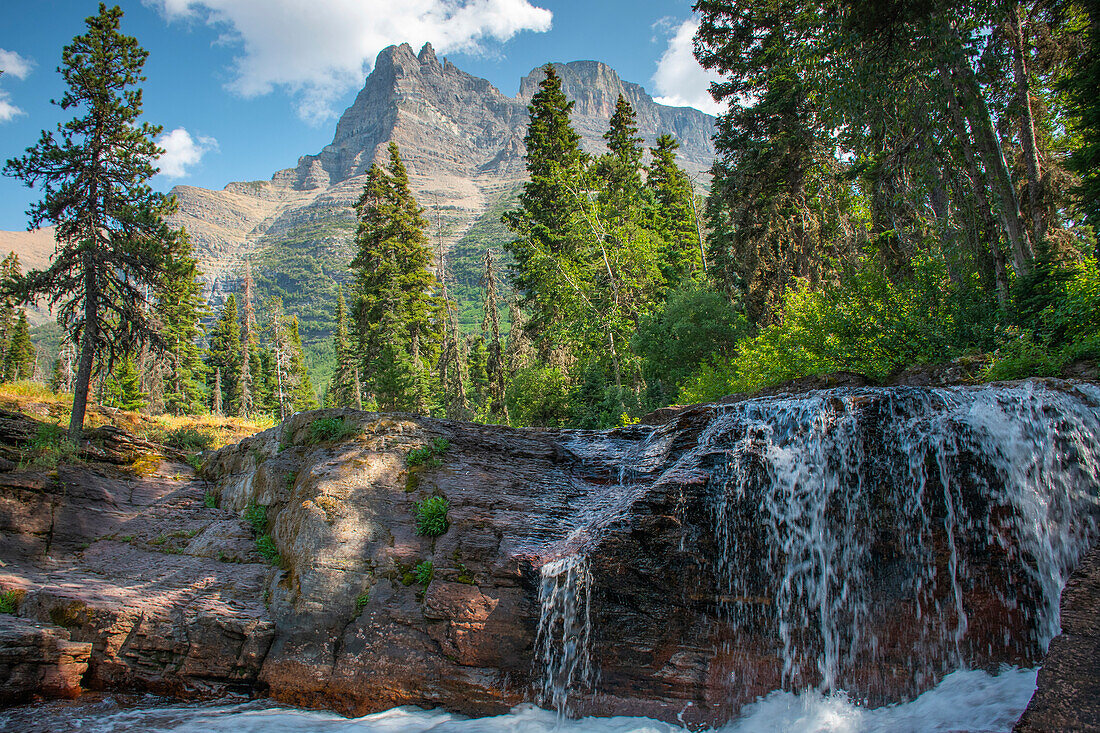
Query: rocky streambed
[859, 539]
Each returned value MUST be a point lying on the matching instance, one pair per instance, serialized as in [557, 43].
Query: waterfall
[562, 645]
[834, 511]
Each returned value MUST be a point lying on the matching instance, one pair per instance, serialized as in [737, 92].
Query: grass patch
[424, 572]
[431, 516]
[428, 455]
[10, 600]
[189, 438]
[330, 430]
[49, 448]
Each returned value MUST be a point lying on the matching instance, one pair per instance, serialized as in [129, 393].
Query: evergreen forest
[898, 186]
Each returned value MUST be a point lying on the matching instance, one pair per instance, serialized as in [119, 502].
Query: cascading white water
[562, 645]
[805, 489]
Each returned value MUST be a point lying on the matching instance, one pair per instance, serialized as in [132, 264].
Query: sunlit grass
[36, 400]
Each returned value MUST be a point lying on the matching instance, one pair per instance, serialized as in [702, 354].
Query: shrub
[431, 516]
[9, 600]
[330, 429]
[51, 446]
[424, 572]
[539, 397]
[428, 454]
[256, 515]
[189, 439]
[266, 547]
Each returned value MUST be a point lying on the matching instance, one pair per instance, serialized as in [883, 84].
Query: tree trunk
[989, 149]
[1027, 126]
[979, 187]
[87, 355]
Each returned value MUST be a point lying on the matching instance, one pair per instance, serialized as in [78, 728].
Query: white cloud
[320, 49]
[8, 110]
[14, 64]
[182, 151]
[679, 78]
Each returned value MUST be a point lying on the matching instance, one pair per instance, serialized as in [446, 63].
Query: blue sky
[244, 87]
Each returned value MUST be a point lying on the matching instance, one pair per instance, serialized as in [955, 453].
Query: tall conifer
[111, 235]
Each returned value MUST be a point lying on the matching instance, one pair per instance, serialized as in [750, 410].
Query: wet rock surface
[1068, 694]
[175, 597]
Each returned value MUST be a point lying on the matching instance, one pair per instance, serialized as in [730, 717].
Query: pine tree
[674, 213]
[223, 354]
[398, 315]
[451, 363]
[10, 273]
[548, 223]
[20, 357]
[181, 307]
[111, 235]
[490, 328]
[123, 389]
[303, 395]
[479, 375]
[341, 391]
[248, 337]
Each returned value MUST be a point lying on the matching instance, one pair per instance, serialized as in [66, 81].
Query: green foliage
[331, 429]
[110, 226]
[424, 572]
[256, 516]
[398, 316]
[51, 447]
[361, 602]
[189, 439]
[20, 355]
[538, 396]
[431, 516]
[9, 600]
[210, 500]
[266, 547]
[223, 359]
[695, 325]
[181, 308]
[123, 388]
[428, 454]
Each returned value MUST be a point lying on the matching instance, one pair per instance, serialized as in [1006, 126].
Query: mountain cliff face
[462, 141]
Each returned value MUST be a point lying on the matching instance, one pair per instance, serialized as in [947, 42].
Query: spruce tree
[341, 391]
[123, 389]
[10, 274]
[248, 338]
[490, 328]
[111, 235]
[223, 354]
[398, 315]
[674, 212]
[303, 395]
[181, 307]
[20, 357]
[548, 223]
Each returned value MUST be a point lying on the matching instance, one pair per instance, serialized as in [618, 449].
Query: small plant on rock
[9, 600]
[210, 499]
[331, 429]
[429, 454]
[256, 515]
[361, 602]
[431, 516]
[424, 572]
